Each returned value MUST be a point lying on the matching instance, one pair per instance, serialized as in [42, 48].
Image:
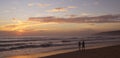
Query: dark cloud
[72, 16]
[7, 33]
[95, 19]
[50, 33]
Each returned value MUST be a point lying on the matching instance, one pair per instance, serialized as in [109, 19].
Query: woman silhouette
[83, 45]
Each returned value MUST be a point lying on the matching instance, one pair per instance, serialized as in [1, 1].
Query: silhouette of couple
[81, 45]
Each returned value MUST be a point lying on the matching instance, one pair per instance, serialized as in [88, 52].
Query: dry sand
[106, 52]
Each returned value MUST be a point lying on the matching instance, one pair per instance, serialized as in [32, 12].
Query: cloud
[95, 19]
[43, 5]
[72, 15]
[30, 4]
[6, 33]
[72, 7]
[49, 33]
[38, 5]
[84, 14]
[60, 9]
[19, 25]
[11, 26]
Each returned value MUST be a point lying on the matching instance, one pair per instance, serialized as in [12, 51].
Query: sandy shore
[106, 52]
[39, 55]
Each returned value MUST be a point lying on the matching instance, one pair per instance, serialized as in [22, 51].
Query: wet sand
[39, 55]
[103, 52]
[106, 52]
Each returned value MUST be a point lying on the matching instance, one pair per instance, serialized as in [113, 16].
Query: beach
[38, 47]
[60, 28]
[105, 52]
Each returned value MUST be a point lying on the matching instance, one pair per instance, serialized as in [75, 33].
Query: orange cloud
[20, 26]
[60, 9]
[50, 25]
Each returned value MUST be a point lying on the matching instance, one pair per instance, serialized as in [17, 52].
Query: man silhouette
[79, 45]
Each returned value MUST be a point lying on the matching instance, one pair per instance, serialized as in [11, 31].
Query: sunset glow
[43, 18]
[59, 28]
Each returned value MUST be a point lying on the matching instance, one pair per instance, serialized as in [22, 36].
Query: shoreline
[52, 53]
[44, 54]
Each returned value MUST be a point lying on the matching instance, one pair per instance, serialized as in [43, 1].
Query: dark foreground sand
[106, 52]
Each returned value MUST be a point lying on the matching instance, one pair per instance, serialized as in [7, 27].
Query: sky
[58, 17]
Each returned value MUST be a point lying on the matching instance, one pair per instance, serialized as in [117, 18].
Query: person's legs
[79, 48]
[84, 49]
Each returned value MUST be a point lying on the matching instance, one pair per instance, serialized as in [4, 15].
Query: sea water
[25, 45]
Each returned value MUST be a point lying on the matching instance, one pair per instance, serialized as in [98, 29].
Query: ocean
[24, 45]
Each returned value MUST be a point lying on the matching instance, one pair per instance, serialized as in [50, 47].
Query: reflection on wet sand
[42, 54]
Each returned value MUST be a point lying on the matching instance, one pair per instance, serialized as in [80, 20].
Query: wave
[15, 43]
